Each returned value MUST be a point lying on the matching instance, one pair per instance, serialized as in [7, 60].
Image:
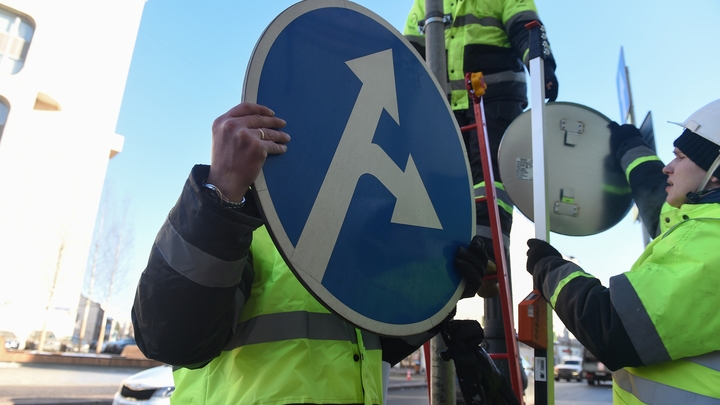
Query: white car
[150, 387]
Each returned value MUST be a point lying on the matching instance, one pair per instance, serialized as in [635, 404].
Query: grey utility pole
[442, 381]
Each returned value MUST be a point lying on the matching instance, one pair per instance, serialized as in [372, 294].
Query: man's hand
[242, 138]
[620, 134]
[471, 264]
[538, 250]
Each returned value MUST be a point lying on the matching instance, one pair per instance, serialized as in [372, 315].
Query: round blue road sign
[374, 195]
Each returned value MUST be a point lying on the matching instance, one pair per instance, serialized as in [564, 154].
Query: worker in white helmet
[656, 326]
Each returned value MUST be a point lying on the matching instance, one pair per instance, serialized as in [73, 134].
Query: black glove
[619, 135]
[471, 264]
[551, 82]
[538, 250]
[551, 86]
[479, 379]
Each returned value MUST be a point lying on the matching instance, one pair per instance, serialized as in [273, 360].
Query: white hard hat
[705, 122]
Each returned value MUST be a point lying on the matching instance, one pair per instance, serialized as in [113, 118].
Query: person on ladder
[489, 37]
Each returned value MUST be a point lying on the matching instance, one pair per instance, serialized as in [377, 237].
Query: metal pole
[544, 389]
[442, 384]
[435, 42]
[442, 381]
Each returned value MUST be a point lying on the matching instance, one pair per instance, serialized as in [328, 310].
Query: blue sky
[189, 64]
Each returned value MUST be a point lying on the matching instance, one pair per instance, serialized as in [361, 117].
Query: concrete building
[63, 68]
[94, 320]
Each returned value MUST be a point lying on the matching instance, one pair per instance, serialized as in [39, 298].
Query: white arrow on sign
[355, 156]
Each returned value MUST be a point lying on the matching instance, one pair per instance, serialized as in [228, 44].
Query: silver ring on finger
[262, 134]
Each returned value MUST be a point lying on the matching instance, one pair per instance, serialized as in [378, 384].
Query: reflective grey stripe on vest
[637, 322]
[633, 154]
[653, 392]
[506, 76]
[486, 232]
[709, 360]
[553, 278]
[193, 263]
[297, 325]
[501, 194]
[469, 19]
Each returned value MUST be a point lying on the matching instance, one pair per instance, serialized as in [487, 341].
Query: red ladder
[476, 88]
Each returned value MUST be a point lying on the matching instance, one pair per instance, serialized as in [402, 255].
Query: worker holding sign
[218, 301]
[656, 324]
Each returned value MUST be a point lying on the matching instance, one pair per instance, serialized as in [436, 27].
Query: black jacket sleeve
[197, 279]
[646, 179]
[520, 39]
[585, 308]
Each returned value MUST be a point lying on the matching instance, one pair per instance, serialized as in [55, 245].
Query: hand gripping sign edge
[364, 159]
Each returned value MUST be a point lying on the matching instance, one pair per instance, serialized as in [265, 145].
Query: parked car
[72, 344]
[93, 346]
[117, 346]
[569, 369]
[153, 386]
[11, 341]
[593, 370]
[51, 342]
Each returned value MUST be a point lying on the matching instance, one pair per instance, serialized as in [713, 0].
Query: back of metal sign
[587, 192]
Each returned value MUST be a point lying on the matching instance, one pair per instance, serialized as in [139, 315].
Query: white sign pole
[544, 389]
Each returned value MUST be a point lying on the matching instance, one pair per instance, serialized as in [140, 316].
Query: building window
[16, 33]
[4, 110]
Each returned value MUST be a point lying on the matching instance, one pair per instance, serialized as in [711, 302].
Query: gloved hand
[489, 288]
[538, 250]
[551, 82]
[471, 263]
[551, 86]
[620, 134]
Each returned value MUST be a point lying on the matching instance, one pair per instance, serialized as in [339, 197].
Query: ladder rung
[468, 127]
[499, 356]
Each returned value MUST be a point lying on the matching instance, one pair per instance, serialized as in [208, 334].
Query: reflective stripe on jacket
[287, 348]
[692, 380]
[478, 40]
[502, 197]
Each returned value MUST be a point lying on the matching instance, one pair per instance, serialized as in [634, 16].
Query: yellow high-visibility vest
[287, 348]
